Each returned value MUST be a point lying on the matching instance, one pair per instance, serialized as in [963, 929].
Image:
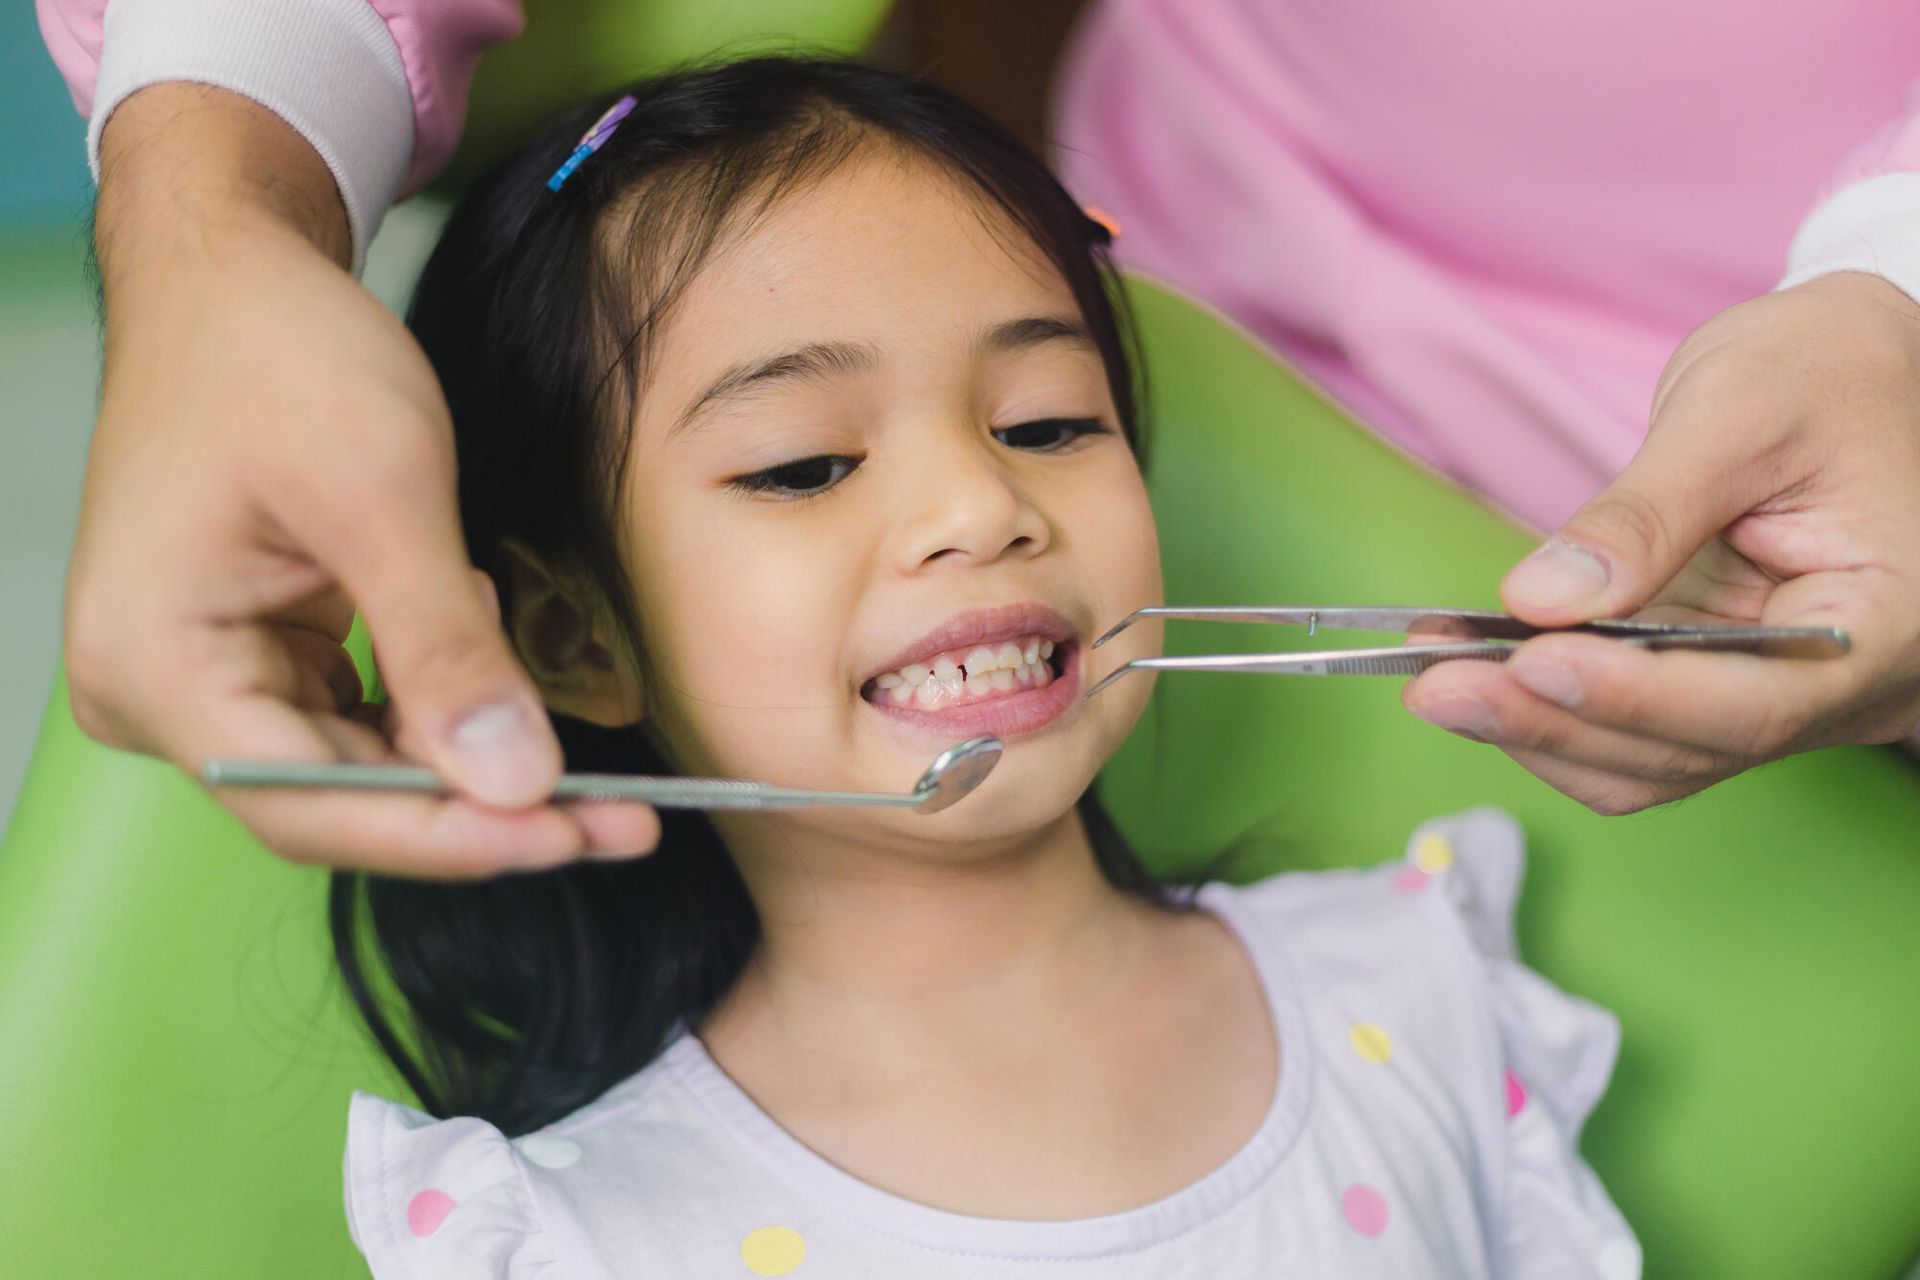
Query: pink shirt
[1485, 226]
[1481, 226]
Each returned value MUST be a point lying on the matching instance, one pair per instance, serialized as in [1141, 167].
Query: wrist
[187, 171]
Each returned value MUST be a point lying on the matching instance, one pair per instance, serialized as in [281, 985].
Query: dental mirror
[953, 773]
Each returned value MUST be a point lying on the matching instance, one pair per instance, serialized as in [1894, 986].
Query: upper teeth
[985, 669]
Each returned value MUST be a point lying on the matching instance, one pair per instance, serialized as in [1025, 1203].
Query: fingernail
[500, 750]
[1557, 574]
[1468, 717]
[1551, 680]
[613, 855]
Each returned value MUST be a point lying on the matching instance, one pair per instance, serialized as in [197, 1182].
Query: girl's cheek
[748, 642]
[1118, 526]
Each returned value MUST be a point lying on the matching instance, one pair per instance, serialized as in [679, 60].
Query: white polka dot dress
[1425, 1122]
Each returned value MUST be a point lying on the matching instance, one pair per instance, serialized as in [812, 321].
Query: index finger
[420, 835]
[1735, 704]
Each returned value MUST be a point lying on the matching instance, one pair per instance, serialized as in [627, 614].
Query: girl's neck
[891, 960]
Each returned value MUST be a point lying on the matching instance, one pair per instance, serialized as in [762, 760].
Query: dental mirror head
[955, 772]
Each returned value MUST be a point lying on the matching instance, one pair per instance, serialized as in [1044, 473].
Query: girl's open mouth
[1005, 687]
[982, 673]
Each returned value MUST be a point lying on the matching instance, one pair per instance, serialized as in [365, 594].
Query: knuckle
[88, 659]
[1777, 727]
[1552, 734]
[93, 694]
[1680, 762]
[88, 716]
[456, 671]
[401, 459]
[451, 668]
[1629, 517]
[279, 837]
[298, 853]
[1621, 797]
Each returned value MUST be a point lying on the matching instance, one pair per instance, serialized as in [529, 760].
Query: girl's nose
[968, 504]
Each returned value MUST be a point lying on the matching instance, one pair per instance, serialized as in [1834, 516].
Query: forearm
[190, 173]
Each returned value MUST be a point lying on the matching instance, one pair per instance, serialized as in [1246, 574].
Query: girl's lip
[1022, 712]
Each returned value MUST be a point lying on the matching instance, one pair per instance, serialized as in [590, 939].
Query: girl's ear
[567, 642]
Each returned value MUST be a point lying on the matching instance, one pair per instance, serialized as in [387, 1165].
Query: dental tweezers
[1479, 634]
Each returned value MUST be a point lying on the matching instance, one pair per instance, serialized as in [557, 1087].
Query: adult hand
[1779, 484]
[272, 450]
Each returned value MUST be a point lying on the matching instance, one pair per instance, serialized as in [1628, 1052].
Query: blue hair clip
[592, 141]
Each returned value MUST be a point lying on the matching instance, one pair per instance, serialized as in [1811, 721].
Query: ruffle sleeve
[1554, 1217]
[430, 1199]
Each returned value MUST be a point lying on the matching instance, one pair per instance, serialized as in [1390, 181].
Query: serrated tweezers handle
[1409, 660]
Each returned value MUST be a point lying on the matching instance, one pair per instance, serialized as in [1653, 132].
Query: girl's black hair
[526, 996]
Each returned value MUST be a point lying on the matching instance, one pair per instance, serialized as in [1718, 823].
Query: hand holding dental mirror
[953, 773]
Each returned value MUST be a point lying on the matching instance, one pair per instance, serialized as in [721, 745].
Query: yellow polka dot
[1432, 853]
[1371, 1041]
[773, 1251]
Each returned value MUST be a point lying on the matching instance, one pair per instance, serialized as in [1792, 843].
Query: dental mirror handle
[662, 793]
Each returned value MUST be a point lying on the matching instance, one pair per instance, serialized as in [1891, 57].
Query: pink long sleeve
[1895, 148]
[379, 87]
[440, 42]
[71, 29]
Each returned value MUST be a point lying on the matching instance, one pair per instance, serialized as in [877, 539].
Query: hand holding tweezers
[1483, 634]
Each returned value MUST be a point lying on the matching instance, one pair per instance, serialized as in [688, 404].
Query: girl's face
[878, 503]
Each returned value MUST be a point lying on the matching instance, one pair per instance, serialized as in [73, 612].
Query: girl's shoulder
[457, 1197]
[1406, 997]
[1421, 951]
[1458, 879]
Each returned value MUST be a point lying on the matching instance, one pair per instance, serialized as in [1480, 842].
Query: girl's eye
[799, 479]
[1049, 434]
[810, 477]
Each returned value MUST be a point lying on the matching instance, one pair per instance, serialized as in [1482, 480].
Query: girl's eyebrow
[815, 360]
[831, 359]
[1032, 331]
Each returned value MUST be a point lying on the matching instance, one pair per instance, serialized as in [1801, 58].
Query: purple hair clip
[592, 141]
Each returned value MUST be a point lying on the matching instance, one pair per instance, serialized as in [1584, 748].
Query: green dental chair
[175, 1058]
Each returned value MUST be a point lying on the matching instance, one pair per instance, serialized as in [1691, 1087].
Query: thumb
[1630, 539]
[441, 650]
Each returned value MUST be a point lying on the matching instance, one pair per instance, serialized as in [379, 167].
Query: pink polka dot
[1516, 1094]
[1366, 1209]
[426, 1211]
[1410, 879]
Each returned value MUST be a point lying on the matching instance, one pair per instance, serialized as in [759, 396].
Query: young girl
[798, 436]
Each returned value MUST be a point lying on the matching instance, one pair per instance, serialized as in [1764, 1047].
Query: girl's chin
[1034, 786]
[987, 823]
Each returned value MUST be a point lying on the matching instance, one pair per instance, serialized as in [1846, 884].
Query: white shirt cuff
[1871, 226]
[329, 68]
